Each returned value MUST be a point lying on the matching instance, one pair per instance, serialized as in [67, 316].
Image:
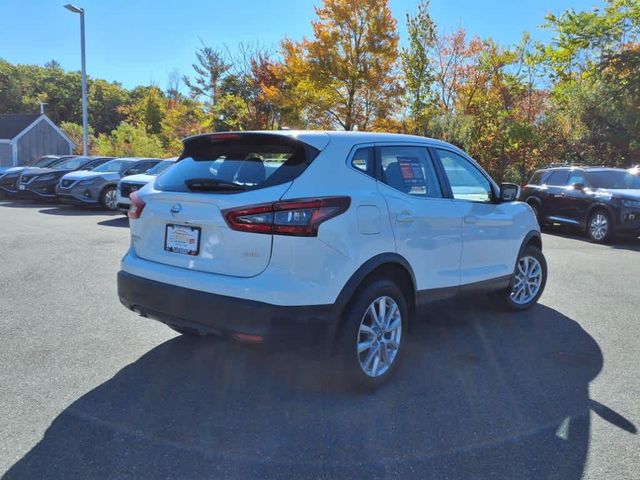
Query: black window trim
[495, 192]
[378, 168]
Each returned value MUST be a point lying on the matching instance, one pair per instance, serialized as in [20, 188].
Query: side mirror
[578, 186]
[509, 192]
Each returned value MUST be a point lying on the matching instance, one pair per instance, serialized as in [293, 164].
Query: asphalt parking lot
[89, 390]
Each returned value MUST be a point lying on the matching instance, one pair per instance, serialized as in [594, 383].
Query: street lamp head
[73, 8]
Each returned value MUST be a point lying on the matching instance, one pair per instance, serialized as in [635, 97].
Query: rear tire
[528, 281]
[599, 226]
[371, 341]
[109, 198]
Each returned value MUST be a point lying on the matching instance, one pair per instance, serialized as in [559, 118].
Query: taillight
[300, 217]
[135, 210]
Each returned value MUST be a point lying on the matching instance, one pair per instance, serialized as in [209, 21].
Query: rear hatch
[182, 222]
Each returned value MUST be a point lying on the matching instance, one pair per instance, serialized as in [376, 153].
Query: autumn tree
[417, 68]
[346, 75]
[593, 61]
[209, 71]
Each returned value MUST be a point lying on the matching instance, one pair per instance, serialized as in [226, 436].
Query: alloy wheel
[111, 199]
[527, 281]
[599, 226]
[379, 336]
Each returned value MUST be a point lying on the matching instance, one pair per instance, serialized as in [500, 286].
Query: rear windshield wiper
[211, 185]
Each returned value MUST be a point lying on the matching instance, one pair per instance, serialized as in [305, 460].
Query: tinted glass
[363, 160]
[536, 179]
[114, 166]
[140, 167]
[71, 163]
[557, 178]
[467, 182]
[410, 170]
[161, 167]
[44, 161]
[615, 179]
[576, 176]
[235, 162]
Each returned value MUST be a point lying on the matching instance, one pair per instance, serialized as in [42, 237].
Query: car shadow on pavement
[480, 395]
[23, 204]
[619, 243]
[77, 211]
[118, 221]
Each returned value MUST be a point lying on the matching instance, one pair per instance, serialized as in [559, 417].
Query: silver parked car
[99, 186]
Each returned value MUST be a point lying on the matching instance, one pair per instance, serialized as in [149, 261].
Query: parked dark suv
[602, 201]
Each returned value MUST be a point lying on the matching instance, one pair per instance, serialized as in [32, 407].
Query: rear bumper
[309, 326]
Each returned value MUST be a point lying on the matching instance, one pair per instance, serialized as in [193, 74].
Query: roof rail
[570, 165]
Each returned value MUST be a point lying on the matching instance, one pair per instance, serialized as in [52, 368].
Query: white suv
[333, 239]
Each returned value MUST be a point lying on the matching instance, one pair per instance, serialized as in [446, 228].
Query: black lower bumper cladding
[218, 314]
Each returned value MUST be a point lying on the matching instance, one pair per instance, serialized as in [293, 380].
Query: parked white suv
[333, 239]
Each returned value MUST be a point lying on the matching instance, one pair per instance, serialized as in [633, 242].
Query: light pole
[85, 114]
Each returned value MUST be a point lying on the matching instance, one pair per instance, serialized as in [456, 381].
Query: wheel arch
[600, 206]
[385, 265]
[533, 199]
[105, 187]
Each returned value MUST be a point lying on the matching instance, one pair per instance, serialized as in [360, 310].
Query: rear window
[228, 163]
[536, 179]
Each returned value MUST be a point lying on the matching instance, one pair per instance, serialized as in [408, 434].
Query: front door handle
[405, 218]
[471, 219]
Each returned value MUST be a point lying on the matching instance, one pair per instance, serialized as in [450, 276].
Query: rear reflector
[300, 217]
[135, 210]
[248, 338]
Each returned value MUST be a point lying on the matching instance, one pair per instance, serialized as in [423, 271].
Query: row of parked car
[95, 181]
[330, 239]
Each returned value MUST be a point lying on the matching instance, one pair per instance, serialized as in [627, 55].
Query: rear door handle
[405, 218]
[470, 219]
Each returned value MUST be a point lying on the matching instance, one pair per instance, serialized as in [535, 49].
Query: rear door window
[558, 178]
[410, 170]
[227, 163]
[577, 176]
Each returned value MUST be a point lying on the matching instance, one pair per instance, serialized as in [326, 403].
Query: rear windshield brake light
[299, 217]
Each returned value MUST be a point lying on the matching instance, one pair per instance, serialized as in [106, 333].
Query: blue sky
[141, 41]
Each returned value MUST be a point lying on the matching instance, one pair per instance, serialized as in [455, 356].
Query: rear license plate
[182, 239]
[21, 187]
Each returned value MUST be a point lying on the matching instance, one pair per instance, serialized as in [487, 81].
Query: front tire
[599, 227]
[373, 334]
[109, 198]
[528, 280]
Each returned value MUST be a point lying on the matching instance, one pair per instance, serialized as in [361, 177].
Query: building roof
[11, 124]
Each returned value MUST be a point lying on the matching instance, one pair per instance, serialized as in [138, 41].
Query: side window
[558, 178]
[363, 160]
[410, 170]
[576, 176]
[467, 182]
[536, 179]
